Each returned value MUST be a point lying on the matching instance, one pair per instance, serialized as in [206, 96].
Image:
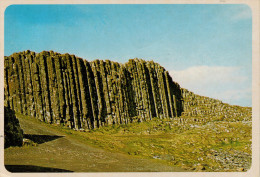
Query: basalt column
[64, 89]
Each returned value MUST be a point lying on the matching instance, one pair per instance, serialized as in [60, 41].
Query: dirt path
[61, 152]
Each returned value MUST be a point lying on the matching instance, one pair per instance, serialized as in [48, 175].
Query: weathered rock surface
[64, 89]
[205, 109]
[241, 161]
[12, 130]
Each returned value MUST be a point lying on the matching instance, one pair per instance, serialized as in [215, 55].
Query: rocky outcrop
[12, 130]
[68, 90]
[238, 161]
[64, 89]
[205, 108]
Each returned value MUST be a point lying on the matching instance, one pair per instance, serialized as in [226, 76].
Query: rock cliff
[65, 89]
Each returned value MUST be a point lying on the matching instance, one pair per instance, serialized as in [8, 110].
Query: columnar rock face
[204, 107]
[64, 89]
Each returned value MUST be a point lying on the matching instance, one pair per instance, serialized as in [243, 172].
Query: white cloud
[242, 12]
[236, 95]
[228, 84]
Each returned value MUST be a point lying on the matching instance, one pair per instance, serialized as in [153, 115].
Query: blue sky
[206, 48]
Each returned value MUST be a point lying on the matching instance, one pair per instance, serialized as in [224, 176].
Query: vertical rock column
[121, 100]
[145, 90]
[73, 92]
[131, 67]
[61, 115]
[17, 85]
[110, 94]
[98, 83]
[23, 86]
[55, 101]
[84, 92]
[68, 120]
[45, 86]
[28, 83]
[170, 94]
[92, 94]
[160, 86]
[114, 94]
[31, 90]
[150, 66]
[6, 83]
[11, 80]
[37, 89]
[130, 94]
[150, 89]
[106, 101]
[78, 93]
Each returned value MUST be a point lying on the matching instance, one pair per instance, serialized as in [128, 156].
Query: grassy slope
[211, 146]
[61, 149]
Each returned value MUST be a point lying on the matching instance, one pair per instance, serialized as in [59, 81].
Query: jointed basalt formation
[205, 108]
[62, 88]
[65, 89]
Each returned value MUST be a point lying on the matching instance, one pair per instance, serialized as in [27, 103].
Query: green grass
[185, 145]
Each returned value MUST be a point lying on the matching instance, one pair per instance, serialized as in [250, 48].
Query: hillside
[133, 112]
[154, 145]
